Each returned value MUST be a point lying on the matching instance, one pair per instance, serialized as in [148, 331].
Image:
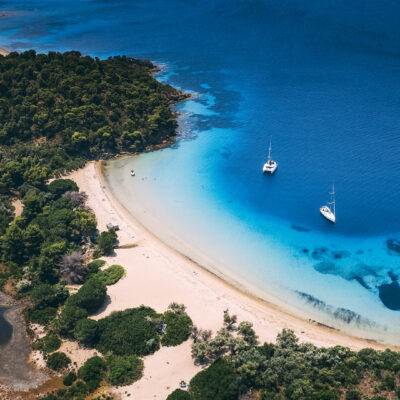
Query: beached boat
[326, 211]
[132, 172]
[271, 165]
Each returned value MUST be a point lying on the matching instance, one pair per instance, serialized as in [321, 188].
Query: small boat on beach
[271, 165]
[326, 211]
[132, 172]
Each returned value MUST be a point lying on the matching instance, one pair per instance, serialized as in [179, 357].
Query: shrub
[90, 296]
[112, 274]
[69, 316]
[106, 241]
[128, 332]
[125, 370]
[48, 344]
[46, 295]
[41, 316]
[93, 371]
[217, 382]
[94, 266]
[60, 186]
[180, 394]
[58, 361]
[69, 379]
[23, 285]
[97, 253]
[178, 329]
[86, 331]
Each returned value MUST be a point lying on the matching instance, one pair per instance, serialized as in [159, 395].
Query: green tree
[86, 331]
[246, 330]
[58, 361]
[179, 394]
[12, 244]
[130, 332]
[60, 186]
[68, 318]
[93, 372]
[217, 382]
[125, 370]
[90, 296]
[106, 241]
[178, 328]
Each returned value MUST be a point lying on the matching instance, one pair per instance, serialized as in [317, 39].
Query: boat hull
[328, 214]
[270, 168]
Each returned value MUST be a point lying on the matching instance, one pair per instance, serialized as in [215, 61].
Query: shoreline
[158, 275]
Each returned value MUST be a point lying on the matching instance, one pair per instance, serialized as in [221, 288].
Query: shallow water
[321, 79]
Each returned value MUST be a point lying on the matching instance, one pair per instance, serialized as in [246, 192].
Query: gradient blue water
[321, 77]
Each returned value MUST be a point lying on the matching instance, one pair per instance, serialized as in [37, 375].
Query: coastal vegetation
[56, 112]
[240, 368]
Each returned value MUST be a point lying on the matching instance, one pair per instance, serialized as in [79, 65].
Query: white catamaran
[326, 211]
[271, 165]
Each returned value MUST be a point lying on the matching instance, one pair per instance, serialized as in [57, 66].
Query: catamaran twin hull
[270, 167]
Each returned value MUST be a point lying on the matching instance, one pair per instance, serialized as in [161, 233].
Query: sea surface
[321, 79]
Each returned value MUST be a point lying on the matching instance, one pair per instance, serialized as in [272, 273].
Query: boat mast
[269, 151]
[333, 198]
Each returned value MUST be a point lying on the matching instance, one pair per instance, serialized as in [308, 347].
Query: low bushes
[58, 361]
[217, 382]
[94, 266]
[93, 372]
[128, 332]
[41, 316]
[106, 241]
[69, 316]
[180, 394]
[60, 186]
[125, 370]
[69, 379]
[178, 328]
[86, 331]
[112, 274]
[90, 296]
[48, 344]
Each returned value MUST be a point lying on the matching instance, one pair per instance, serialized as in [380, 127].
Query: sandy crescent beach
[158, 275]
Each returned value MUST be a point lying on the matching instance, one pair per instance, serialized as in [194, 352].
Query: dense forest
[58, 110]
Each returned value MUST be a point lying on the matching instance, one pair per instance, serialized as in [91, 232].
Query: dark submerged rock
[393, 245]
[300, 228]
[389, 293]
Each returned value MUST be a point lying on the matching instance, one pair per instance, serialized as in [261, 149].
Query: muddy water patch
[15, 370]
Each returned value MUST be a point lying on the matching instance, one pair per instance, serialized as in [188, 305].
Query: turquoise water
[320, 78]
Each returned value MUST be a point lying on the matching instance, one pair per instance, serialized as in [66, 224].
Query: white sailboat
[326, 211]
[271, 165]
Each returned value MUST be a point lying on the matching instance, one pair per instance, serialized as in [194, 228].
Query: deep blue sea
[322, 79]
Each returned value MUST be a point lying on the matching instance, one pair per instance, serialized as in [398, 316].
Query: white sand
[158, 275]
